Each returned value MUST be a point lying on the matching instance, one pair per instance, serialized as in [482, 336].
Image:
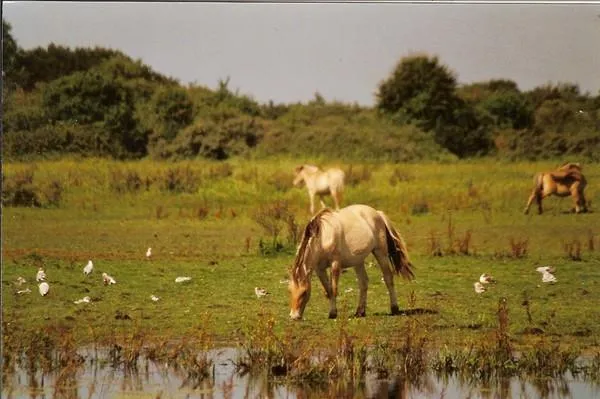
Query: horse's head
[299, 175]
[299, 296]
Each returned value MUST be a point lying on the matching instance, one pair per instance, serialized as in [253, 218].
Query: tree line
[100, 102]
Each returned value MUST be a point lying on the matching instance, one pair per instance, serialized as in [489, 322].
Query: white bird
[546, 269]
[260, 292]
[548, 278]
[486, 279]
[149, 253]
[479, 288]
[25, 291]
[108, 280]
[88, 268]
[20, 280]
[44, 288]
[348, 290]
[85, 299]
[182, 279]
[154, 298]
[284, 281]
[41, 275]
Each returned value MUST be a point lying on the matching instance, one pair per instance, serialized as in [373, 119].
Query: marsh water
[96, 379]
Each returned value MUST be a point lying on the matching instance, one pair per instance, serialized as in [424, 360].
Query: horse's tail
[312, 229]
[397, 252]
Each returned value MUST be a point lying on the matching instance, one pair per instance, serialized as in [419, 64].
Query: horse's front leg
[336, 270]
[322, 273]
[363, 283]
[311, 197]
[323, 204]
[578, 198]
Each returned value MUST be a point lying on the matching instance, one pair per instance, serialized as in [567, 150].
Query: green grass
[211, 235]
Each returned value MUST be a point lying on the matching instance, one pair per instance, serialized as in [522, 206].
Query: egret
[284, 281]
[547, 274]
[108, 280]
[44, 288]
[154, 298]
[486, 279]
[88, 268]
[149, 253]
[548, 278]
[479, 288]
[260, 292]
[25, 291]
[182, 279]
[546, 269]
[348, 290]
[20, 280]
[85, 299]
[41, 275]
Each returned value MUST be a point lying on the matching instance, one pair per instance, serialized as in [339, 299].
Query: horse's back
[352, 231]
[336, 178]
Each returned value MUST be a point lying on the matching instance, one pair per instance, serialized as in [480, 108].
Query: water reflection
[94, 378]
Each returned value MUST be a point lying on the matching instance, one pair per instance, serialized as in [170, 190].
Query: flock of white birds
[44, 286]
[485, 279]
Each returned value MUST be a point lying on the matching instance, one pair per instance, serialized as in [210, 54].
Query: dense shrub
[219, 137]
[61, 138]
[19, 190]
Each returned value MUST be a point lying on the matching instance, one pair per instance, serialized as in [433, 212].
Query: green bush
[19, 190]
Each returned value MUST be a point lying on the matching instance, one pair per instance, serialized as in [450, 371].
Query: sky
[288, 52]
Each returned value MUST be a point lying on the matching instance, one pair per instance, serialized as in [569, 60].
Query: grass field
[231, 227]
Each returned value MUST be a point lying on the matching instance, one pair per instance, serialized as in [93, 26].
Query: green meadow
[232, 226]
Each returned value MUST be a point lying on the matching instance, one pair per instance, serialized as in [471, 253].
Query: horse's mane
[568, 170]
[570, 165]
[312, 229]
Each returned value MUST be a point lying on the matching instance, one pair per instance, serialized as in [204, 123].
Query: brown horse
[341, 240]
[564, 181]
[321, 183]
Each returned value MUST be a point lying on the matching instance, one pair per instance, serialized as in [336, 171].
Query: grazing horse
[564, 181]
[340, 240]
[321, 183]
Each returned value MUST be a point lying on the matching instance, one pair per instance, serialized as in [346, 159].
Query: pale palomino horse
[564, 181]
[343, 239]
[321, 183]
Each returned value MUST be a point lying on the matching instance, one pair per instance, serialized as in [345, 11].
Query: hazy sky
[287, 52]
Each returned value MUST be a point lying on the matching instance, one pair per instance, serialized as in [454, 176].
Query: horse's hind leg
[529, 202]
[578, 198]
[537, 196]
[388, 278]
[363, 283]
[337, 199]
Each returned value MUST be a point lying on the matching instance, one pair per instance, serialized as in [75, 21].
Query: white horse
[341, 240]
[321, 183]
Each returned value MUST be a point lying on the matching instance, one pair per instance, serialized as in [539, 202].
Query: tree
[9, 48]
[91, 98]
[421, 89]
[46, 64]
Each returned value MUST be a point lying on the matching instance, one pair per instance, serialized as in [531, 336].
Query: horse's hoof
[332, 315]
[395, 311]
[360, 313]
